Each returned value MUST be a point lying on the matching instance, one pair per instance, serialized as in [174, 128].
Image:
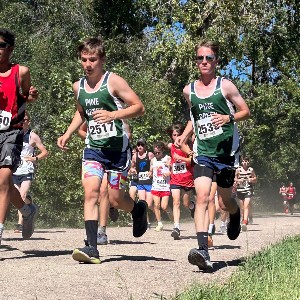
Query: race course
[152, 267]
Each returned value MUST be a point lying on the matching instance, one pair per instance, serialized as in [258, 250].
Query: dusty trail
[145, 268]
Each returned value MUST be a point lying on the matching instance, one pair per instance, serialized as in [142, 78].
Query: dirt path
[145, 268]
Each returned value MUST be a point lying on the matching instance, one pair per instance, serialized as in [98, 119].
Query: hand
[179, 141]
[219, 120]
[62, 142]
[177, 157]
[33, 94]
[103, 116]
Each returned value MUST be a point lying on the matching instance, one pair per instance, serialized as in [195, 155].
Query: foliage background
[150, 43]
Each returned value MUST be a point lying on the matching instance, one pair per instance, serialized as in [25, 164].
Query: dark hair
[214, 46]
[92, 45]
[177, 127]
[161, 146]
[8, 36]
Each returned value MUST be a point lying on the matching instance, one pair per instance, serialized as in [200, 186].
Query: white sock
[102, 229]
[210, 228]
[159, 223]
[25, 210]
[176, 225]
[1, 226]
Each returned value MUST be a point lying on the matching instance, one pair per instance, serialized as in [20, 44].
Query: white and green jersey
[210, 140]
[112, 135]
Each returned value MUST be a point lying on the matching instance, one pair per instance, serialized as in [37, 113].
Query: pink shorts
[116, 180]
[160, 194]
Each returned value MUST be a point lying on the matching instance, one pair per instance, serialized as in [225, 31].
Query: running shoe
[210, 241]
[139, 219]
[244, 226]
[113, 214]
[159, 227]
[176, 234]
[102, 238]
[223, 228]
[28, 222]
[149, 226]
[1, 232]
[192, 210]
[234, 226]
[87, 254]
[18, 228]
[200, 258]
[250, 222]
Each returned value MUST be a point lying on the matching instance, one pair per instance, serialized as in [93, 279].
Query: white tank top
[26, 167]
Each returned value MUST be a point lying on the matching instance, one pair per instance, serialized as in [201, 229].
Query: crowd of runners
[200, 167]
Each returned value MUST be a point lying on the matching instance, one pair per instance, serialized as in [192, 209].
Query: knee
[91, 196]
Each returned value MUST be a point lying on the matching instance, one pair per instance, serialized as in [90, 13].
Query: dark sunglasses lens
[210, 58]
[3, 45]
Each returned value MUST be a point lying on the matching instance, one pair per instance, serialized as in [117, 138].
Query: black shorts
[18, 179]
[11, 144]
[184, 188]
[243, 195]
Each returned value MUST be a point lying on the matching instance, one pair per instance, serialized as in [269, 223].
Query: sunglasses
[157, 152]
[4, 45]
[140, 145]
[26, 119]
[209, 58]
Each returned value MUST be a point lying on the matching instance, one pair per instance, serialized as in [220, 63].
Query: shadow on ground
[135, 258]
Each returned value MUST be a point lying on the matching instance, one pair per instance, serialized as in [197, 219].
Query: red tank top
[11, 100]
[181, 173]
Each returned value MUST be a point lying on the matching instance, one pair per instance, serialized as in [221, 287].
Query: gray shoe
[28, 222]
[201, 259]
[176, 234]
[102, 238]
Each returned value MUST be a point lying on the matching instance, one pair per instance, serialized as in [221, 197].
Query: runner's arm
[120, 88]
[27, 90]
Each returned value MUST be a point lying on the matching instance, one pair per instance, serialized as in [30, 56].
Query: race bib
[5, 119]
[206, 129]
[144, 176]
[99, 131]
[179, 168]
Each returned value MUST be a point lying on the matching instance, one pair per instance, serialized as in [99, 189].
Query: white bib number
[5, 119]
[206, 129]
[179, 168]
[143, 176]
[99, 131]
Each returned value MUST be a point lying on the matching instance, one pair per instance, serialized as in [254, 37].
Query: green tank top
[112, 135]
[211, 141]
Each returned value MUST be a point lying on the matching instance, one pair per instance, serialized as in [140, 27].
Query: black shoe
[139, 219]
[201, 259]
[87, 254]
[113, 214]
[176, 234]
[234, 226]
[192, 210]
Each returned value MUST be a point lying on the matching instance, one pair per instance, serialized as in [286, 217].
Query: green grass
[273, 273]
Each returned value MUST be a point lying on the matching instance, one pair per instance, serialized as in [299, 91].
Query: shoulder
[187, 89]
[170, 145]
[76, 85]
[150, 155]
[23, 70]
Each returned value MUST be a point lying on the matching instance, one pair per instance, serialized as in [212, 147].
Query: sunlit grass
[273, 273]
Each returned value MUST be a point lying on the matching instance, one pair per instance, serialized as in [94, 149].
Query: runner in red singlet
[182, 181]
[15, 92]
